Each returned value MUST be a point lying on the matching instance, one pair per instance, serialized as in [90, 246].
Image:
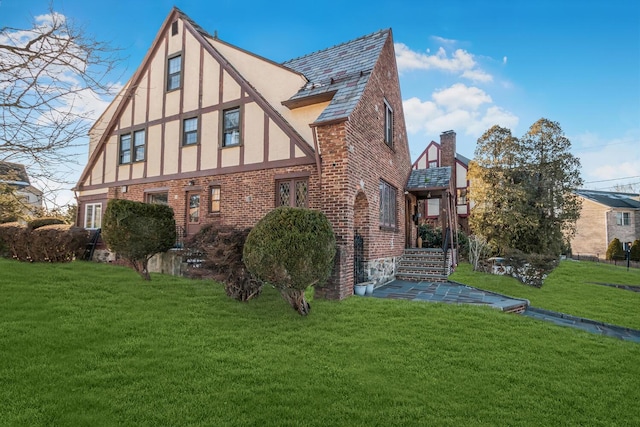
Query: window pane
[231, 127]
[174, 81]
[191, 124]
[88, 216]
[215, 199]
[125, 148]
[301, 194]
[158, 198]
[284, 191]
[194, 208]
[174, 64]
[97, 222]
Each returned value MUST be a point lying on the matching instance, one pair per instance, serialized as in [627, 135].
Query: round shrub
[635, 250]
[292, 249]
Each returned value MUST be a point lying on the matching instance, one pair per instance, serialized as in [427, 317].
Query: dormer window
[174, 69]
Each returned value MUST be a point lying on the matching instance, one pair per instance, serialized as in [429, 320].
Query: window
[194, 208]
[292, 192]
[231, 127]
[214, 199]
[125, 148]
[174, 28]
[158, 198]
[433, 164]
[388, 124]
[93, 215]
[462, 196]
[138, 145]
[623, 218]
[190, 131]
[387, 205]
[173, 73]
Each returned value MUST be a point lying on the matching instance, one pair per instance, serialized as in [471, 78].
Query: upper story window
[623, 218]
[292, 192]
[462, 196]
[127, 154]
[93, 215]
[387, 205]
[388, 124]
[190, 131]
[174, 69]
[433, 164]
[231, 127]
[125, 148]
[214, 199]
[174, 28]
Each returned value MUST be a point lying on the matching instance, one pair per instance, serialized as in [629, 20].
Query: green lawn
[89, 344]
[568, 290]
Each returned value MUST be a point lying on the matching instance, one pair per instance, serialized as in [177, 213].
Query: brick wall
[354, 159]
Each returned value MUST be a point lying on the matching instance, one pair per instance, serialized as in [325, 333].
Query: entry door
[193, 212]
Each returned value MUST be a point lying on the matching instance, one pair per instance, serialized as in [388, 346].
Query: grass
[568, 289]
[89, 344]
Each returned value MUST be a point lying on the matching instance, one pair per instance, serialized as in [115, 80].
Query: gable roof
[462, 159]
[14, 174]
[429, 179]
[339, 73]
[612, 199]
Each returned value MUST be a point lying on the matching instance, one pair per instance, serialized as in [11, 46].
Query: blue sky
[464, 65]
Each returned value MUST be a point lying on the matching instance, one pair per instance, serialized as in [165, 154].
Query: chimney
[448, 153]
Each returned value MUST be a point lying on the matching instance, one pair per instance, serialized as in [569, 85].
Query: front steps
[423, 265]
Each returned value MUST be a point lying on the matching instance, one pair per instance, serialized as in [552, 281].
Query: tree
[523, 189]
[137, 231]
[498, 193]
[635, 250]
[292, 249]
[50, 76]
[553, 174]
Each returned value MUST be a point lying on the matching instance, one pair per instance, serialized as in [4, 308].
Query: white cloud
[504, 59]
[460, 62]
[443, 41]
[467, 110]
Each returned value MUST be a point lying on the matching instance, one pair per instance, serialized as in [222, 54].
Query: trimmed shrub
[136, 231]
[222, 249]
[291, 249]
[615, 250]
[41, 222]
[51, 243]
[634, 253]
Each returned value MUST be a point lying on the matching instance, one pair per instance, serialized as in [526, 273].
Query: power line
[613, 179]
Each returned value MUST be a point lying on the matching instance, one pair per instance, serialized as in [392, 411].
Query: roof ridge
[384, 30]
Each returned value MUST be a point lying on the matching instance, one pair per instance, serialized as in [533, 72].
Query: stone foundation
[381, 270]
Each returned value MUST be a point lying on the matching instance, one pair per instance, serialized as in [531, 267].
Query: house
[15, 175]
[223, 136]
[604, 216]
[432, 161]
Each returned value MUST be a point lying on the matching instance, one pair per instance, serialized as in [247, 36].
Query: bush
[530, 269]
[463, 245]
[431, 236]
[635, 250]
[615, 250]
[292, 249]
[222, 252]
[136, 231]
[51, 243]
[41, 222]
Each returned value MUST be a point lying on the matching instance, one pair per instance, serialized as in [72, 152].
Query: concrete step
[419, 277]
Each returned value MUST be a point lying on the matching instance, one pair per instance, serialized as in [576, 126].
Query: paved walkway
[457, 293]
[450, 292]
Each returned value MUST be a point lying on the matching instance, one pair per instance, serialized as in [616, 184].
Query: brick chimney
[448, 153]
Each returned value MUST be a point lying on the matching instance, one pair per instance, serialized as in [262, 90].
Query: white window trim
[93, 207]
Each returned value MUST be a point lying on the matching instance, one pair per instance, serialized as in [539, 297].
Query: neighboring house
[604, 216]
[15, 175]
[224, 136]
[435, 157]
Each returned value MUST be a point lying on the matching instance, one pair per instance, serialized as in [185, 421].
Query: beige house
[16, 176]
[604, 216]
